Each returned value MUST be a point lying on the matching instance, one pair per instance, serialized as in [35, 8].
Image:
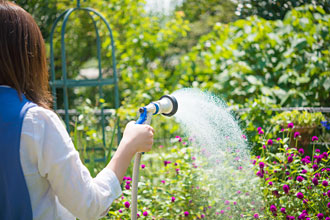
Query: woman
[41, 174]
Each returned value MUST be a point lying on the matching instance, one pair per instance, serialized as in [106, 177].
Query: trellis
[64, 82]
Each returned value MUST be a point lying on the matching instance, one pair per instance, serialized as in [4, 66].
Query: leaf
[252, 79]
[283, 79]
[326, 84]
[266, 90]
[303, 79]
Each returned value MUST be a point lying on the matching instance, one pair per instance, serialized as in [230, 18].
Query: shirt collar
[5, 86]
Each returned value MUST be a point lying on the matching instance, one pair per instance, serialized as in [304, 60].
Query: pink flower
[145, 213]
[143, 166]
[286, 189]
[244, 137]
[173, 199]
[186, 213]
[127, 187]
[161, 146]
[127, 204]
[261, 132]
[290, 125]
[163, 181]
[300, 178]
[270, 142]
[296, 134]
[314, 138]
[179, 138]
[300, 195]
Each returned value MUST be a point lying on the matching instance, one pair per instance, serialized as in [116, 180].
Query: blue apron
[15, 201]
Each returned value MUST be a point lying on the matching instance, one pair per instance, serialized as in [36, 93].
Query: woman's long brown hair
[23, 63]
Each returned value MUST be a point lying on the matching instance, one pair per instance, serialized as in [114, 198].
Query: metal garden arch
[65, 83]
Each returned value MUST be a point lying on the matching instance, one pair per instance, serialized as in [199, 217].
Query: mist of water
[220, 144]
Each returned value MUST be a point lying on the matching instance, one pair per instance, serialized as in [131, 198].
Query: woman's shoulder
[43, 116]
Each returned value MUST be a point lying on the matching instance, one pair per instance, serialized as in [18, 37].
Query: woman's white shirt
[60, 186]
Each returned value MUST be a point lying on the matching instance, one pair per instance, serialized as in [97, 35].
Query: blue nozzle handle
[143, 116]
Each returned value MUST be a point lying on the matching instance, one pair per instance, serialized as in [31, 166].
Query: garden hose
[166, 105]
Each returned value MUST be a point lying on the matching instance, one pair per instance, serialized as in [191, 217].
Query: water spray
[167, 105]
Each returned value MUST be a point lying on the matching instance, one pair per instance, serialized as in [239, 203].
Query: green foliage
[255, 114]
[202, 16]
[300, 119]
[302, 174]
[44, 12]
[285, 62]
[87, 134]
[274, 9]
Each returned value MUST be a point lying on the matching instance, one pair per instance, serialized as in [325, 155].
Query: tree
[274, 9]
[44, 12]
[202, 16]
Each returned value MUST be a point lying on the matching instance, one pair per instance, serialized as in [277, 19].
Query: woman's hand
[139, 138]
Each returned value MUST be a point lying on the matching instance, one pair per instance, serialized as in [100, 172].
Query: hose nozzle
[167, 105]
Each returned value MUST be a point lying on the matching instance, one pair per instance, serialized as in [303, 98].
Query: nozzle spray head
[167, 105]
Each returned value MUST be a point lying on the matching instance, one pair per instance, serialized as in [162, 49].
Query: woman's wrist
[121, 159]
[125, 147]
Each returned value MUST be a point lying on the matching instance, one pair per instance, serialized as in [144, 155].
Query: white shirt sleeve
[59, 162]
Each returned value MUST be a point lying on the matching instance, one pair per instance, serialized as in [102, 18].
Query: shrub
[286, 62]
[299, 119]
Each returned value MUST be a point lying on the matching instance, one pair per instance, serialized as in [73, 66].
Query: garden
[251, 136]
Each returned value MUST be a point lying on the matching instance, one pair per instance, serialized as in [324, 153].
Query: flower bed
[295, 185]
[174, 184]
